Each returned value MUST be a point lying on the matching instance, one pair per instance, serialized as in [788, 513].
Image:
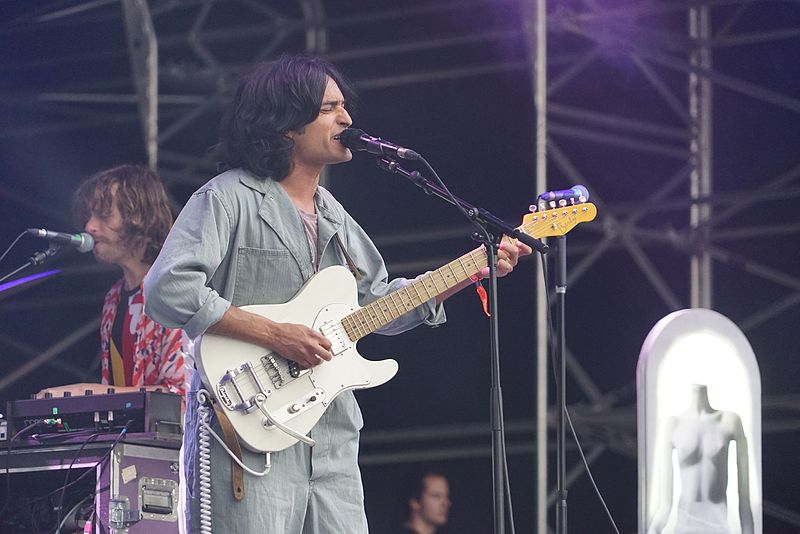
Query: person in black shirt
[428, 504]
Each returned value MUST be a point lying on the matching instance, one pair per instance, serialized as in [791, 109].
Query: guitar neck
[388, 308]
[554, 222]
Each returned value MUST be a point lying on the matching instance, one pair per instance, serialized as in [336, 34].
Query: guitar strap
[350, 263]
[237, 473]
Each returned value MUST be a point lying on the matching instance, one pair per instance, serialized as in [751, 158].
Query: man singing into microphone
[127, 212]
[253, 235]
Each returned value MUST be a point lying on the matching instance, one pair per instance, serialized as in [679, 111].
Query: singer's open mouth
[337, 137]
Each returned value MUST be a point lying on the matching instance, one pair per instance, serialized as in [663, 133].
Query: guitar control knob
[294, 408]
[313, 398]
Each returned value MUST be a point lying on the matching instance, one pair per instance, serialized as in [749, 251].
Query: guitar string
[359, 320]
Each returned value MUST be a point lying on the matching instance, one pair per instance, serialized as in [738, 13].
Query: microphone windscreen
[87, 244]
[351, 138]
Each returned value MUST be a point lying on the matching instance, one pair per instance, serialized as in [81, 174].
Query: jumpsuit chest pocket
[265, 276]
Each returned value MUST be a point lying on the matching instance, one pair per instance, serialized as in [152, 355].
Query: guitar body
[253, 384]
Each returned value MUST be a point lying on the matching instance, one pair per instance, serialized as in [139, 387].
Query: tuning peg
[532, 208]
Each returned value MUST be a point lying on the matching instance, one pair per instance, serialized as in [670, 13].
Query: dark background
[452, 81]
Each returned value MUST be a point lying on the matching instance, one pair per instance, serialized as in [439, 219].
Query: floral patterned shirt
[161, 355]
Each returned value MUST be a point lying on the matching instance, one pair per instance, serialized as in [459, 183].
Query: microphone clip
[42, 256]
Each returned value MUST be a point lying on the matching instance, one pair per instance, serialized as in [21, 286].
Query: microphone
[356, 139]
[83, 242]
[577, 191]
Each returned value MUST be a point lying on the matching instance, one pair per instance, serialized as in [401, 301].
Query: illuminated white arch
[687, 347]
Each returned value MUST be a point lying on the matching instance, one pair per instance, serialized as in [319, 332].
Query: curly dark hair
[272, 99]
[139, 194]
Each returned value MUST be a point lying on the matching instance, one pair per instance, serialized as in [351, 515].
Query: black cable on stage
[8, 461]
[74, 509]
[63, 488]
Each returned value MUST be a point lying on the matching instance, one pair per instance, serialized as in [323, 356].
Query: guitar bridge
[280, 371]
[274, 371]
[243, 380]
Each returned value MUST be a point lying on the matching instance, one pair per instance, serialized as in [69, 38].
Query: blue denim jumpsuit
[240, 240]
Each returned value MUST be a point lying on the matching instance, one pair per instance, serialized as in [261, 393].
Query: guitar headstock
[557, 221]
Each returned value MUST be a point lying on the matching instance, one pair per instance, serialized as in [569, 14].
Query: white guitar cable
[204, 459]
[295, 434]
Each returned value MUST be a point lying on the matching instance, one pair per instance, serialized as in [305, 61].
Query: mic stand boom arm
[479, 215]
[485, 221]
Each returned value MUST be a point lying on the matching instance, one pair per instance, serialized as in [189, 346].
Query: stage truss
[179, 54]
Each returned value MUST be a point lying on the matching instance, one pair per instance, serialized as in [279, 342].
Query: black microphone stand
[491, 230]
[38, 258]
[561, 384]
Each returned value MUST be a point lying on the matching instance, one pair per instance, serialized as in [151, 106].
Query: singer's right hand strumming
[294, 342]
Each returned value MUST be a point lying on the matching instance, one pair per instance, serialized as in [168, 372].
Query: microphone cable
[67, 483]
[551, 344]
[11, 246]
[8, 461]
[500, 415]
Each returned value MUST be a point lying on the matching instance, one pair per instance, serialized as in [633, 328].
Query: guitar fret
[421, 300]
[464, 269]
[410, 298]
[364, 318]
[398, 313]
[376, 305]
[433, 279]
[347, 323]
[369, 319]
[403, 303]
[387, 313]
[363, 331]
[354, 325]
[455, 278]
[421, 282]
[442, 279]
[475, 263]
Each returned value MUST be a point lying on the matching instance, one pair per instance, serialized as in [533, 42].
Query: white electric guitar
[272, 402]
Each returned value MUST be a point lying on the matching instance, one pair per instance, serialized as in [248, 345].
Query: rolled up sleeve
[178, 292]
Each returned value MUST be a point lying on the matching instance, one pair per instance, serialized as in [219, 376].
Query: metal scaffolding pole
[700, 91]
[536, 36]
[143, 50]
